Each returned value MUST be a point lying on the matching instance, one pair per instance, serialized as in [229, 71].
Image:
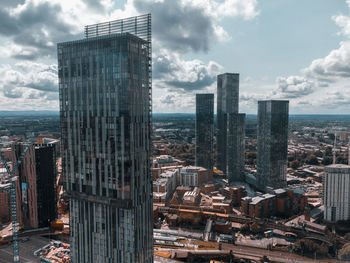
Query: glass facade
[105, 107]
[230, 128]
[236, 147]
[45, 159]
[205, 130]
[272, 144]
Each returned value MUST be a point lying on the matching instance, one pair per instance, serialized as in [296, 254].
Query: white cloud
[172, 71]
[22, 78]
[31, 28]
[322, 86]
[293, 87]
[332, 67]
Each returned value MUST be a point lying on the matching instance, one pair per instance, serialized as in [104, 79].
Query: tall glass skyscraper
[272, 143]
[230, 128]
[205, 130]
[105, 108]
[236, 147]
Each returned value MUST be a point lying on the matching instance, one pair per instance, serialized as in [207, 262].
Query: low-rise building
[280, 202]
[194, 176]
[166, 161]
[235, 194]
[191, 197]
[164, 186]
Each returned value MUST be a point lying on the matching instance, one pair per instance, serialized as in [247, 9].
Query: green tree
[295, 164]
[344, 252]
[312, 159]
[327, 160]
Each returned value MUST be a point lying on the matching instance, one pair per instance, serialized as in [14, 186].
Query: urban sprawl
[108, 181]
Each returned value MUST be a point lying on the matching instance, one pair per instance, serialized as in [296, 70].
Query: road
[26, 250]
[255, 253]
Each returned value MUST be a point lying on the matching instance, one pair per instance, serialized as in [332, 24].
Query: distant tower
[229, 126]
[336, 195]
[45, 159]
[236, 147]
[205, 130]
[272, 143]
[349, 151]
[105, 108]
[334, 149]
[227, 102]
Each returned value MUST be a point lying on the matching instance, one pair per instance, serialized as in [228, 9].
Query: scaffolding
[139, 26]
[14, 212]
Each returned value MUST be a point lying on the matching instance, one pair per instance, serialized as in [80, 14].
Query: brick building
[194, 176]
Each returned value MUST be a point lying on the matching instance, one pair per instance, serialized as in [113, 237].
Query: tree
[327, 160]
[328, 151]
[312, 159]
[295, 164]
[344, 252]
[318, 153]
[310, 247]
[331, 136]
[347, 236]
[341, 159]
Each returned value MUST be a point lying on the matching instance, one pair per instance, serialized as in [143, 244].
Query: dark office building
[230, 127]
[105, 108]
[236, 147]
[272, 143]
[205, 130]
[45, 159]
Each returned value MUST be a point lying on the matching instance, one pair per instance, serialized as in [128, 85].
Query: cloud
[336, 65]
[174, 102]
[332, 70]
[192, 25]
[179, 27]
[30, 30]
[334, 100]
[332, 67]
[293, 87]
[10, 92]
[174, 72]
[169, 99]
[27, 75]
[35, 26]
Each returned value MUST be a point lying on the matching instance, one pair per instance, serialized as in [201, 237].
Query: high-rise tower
[105, 108]
[272, 143]
[236, 147]
[45, 160]
[205, 130]
[336, 195]
[230, 128]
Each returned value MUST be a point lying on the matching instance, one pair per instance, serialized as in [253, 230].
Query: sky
[298, 50]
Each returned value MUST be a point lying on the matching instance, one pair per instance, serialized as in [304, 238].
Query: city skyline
[278, 57]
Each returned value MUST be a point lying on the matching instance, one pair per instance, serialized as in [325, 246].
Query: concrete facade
[336, 192]
[194, 176]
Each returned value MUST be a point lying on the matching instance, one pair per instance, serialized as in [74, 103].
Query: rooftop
[338, 165]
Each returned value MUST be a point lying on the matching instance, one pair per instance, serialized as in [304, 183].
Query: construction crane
[13, 178]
